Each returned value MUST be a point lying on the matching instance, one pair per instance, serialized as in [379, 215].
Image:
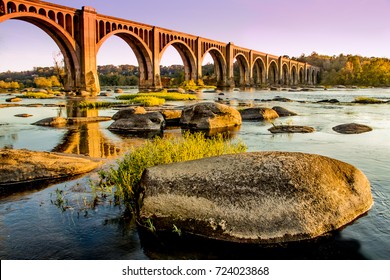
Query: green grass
[168, 96]
[97, 104]
[149, 101]
[367, 100]
[36, 95]
[126, 177]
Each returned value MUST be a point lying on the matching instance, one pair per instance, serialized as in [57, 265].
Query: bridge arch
[219, 64]
[294, 77]
[64, 41]
[259, 71]
[273, 74]
[141, 52]
[243, 66]
[301, 75]
[187, 56]
[285, 79]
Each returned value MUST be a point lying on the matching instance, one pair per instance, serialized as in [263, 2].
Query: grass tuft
[168, 96]
[126, 177]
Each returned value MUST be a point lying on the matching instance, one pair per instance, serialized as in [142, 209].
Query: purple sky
[278, 27]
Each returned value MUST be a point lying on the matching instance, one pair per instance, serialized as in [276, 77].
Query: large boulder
[139, 123]
[258, 113]
[24, 166]
[260, 197]
[352, 128]
[126, 113]
[210, 115]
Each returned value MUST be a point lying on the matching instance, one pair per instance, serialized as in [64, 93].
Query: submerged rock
[210, 115]
[352, 128]
[258, 113]
[24, 166]
[291, 129]
[261, 197]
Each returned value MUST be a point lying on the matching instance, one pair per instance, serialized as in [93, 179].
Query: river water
[33, 227]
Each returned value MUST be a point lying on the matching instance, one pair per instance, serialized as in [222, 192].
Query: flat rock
[23, 115]
[258, 113]
[52, 121]
[77, 120]
[210, 115]
[13, 99]
[260, 197]
[24, 166]
[291, 129]
[151, 121]
[352, 128]
[283, 112]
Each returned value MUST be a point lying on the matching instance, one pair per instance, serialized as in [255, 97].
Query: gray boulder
[148, 122]
[260, 197]
[126, 113]
[352, 128]
[210, 115]
[258, 113]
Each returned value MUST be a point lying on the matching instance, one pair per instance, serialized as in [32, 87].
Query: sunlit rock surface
[260, 197]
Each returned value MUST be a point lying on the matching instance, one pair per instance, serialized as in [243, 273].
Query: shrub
[127, 175]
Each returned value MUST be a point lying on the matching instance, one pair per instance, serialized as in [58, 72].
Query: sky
[278, 27]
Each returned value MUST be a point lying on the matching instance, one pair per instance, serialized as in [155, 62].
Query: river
[33, 227]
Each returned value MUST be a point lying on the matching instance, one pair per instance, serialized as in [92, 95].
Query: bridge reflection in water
[92, 139]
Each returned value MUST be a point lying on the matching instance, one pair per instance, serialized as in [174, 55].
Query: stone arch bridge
[80, 33]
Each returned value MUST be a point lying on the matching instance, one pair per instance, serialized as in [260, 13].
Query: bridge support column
[89, 80]
[156, 78]
[229, 65]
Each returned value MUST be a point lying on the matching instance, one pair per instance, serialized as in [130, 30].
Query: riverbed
[32, 226]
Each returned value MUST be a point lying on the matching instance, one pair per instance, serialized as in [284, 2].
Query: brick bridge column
[89, 80]
[229, 65]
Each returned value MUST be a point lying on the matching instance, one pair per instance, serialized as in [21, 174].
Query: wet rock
[291, 129]
[262, 197]
[23, 166]
[13, 99]
[281, 99]
[210, 115]
[23, 115]
[105, 94]
[258, 113]
[352, 128]
[118, 90]
[126, 113]
[139, 123]
[52, 121]
[283, 112]
[333, 100]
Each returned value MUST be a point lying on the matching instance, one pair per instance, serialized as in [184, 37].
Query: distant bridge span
[80, 33]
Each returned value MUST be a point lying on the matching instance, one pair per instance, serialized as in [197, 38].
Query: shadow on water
[171, 246]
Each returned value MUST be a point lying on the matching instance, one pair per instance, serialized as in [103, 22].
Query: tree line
[335, 70]
[350, 70]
